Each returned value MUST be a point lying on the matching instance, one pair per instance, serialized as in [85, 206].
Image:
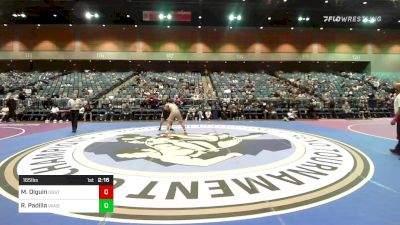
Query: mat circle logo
[216, 173]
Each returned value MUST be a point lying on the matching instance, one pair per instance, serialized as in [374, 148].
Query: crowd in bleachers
[128, 95]
[13, 80]
[162, 86]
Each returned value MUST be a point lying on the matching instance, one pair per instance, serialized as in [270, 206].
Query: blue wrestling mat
[237, 172]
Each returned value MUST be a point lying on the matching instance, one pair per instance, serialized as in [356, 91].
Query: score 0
[106, 198]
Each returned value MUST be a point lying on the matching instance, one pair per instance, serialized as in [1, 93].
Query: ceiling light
[351, 28]
[364, 3]
[261, 28]
[96, 15]
[300, 18]
[199, 27]
[38, 25]
[5, 24]
[292, 28]
[135, 25]
[23, 15]
[326, 2]
[161, 16]
[14, 15]
[239, 17]
[169, 17]
[231, 17]
[103, 25]
[128, 16]
[269, 18]
[284, 0]
[321, 28]
[200, 17]
[230, 28]
[70, 25]
[168, 26]
[307, 18]
[88, 15]
[54, 15]
[378, 29]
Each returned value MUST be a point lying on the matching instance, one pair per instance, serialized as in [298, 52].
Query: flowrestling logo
[352, 19]
[216, 173]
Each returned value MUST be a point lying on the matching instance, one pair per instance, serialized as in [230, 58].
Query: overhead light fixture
[90, 15]
[38, 25]
[70, 25]
[232, 17]
[261, 28]
[168, 26]
[300, 18]
[103, 25]
[199, 27]
[321, 28]
[161, 16]
[351, 28]
[284, 0]
[5, 24]
[269, 18]
[128, 16]
[200, 17]
[230, 28]
[135, 25]
[378, 29]
[364, 3]
[292, 28]
[54, 15]
[326, 2]
[16, 15]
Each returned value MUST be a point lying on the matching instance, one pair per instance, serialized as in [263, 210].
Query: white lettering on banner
[352, 19]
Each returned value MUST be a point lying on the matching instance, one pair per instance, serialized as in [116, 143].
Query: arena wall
[381, 49]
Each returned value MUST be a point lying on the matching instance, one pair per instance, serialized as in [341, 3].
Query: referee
[74, 105]
[396, 118]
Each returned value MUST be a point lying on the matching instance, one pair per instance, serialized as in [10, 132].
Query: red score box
[106, 192]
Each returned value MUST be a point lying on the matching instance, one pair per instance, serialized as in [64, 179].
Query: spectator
[4, 113]
[87, 111]
[347, 110]
[126, 111]
[20, 111]
[12, 106]
[54, 114]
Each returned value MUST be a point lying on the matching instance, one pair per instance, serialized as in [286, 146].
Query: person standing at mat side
[396, 118]
[74, 104]
[175, 113]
